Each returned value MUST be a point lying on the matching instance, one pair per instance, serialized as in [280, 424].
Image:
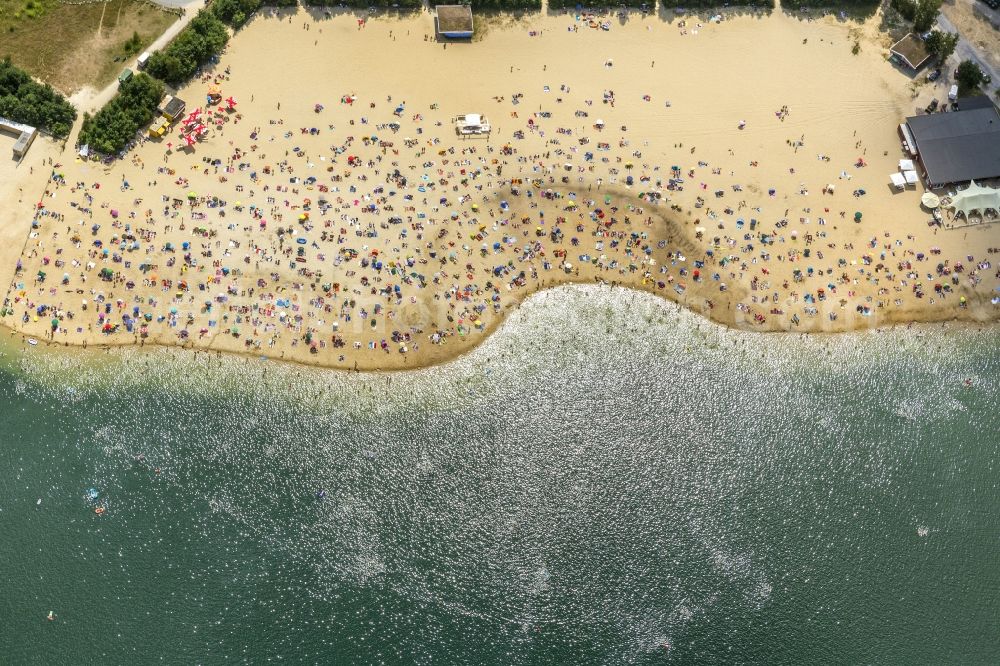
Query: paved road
[966, 51]
[992, 15]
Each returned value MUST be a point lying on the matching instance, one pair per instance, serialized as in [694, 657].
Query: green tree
[906, 8]
[234, 12]
[24, 100]
[165, 66]
[110, 129]
[204, 38]
[969, 78]
[925, 14]
[941, 44]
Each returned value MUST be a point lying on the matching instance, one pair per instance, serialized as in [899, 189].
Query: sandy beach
[334, 217]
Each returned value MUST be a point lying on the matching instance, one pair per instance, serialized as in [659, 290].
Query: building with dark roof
[959, 146]
[171, 107]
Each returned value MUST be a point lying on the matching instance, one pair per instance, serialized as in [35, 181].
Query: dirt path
[89, 100]
[100, 23]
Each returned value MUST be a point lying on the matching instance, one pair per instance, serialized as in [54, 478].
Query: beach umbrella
[192, 195]
[930, 200]
[857, 216]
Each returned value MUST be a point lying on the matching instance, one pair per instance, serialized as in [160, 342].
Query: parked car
[935, 75]
[932, 107]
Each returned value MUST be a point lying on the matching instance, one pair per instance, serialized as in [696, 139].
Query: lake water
[608, 480]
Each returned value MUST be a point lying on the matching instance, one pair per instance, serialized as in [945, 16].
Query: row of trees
[404, 5]
[111, 128]
[199, 42]
[649, 4]
[762, 4]
[867, 6]
[236, 13]
[505, 5]
[24, 100]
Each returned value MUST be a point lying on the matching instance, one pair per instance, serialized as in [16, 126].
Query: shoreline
[96, 350]
[661, 249]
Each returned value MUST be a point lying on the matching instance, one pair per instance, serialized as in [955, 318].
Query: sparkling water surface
[607, 480]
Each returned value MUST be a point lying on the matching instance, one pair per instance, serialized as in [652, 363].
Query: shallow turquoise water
[607, 480]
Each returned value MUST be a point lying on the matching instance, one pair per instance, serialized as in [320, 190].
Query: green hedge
[831, 4]
[697, 4]
[599, 4]
[402, 5]
[110, 130]
[235, 13]
[505, 5]
[24, 100]
[202, 39]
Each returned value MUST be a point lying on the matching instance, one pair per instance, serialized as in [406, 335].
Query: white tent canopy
[975, 198]
[906, 165]
[911, 177]
[897, 180]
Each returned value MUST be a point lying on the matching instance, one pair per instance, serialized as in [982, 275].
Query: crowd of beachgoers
[352, 225]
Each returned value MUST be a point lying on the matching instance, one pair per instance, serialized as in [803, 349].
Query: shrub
[24, 100]
[132, 45]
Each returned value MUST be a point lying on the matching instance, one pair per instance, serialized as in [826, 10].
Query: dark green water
[601, 483]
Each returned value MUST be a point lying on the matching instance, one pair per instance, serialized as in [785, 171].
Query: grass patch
[71, 46]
